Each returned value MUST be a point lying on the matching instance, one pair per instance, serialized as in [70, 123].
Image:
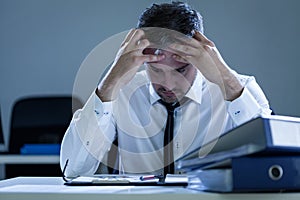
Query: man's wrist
[231, 87]
[105, 95]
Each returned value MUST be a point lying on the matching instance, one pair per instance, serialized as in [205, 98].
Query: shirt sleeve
[252, 102]
[88, 138]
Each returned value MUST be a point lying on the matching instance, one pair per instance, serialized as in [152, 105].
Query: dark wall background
[44, 42]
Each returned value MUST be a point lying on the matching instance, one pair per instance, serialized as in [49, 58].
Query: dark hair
[176, 16]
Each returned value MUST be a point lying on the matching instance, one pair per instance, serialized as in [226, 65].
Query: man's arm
[250, 104]
[243, 96]
[203, 54]
[92, 129]
[88, 138]
[127, 62]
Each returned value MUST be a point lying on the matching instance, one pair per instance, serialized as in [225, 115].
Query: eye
[182, 69]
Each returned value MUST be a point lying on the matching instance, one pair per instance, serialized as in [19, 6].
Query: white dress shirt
[137, 119]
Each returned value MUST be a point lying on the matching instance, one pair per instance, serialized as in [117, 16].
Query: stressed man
[167, 93]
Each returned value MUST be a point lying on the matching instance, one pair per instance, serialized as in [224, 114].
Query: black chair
[39, 120]
[1, 130]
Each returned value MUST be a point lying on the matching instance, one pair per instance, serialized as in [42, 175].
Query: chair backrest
[1, 130]
[40, 120]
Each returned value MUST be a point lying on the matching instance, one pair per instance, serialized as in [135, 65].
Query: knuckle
[139, 32]
[186, 49]
[145, 42]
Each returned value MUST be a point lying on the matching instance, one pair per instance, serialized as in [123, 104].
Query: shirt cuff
[93, 131]
[102, 108]
[243, 108]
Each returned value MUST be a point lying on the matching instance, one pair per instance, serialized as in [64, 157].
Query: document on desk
[125, 180]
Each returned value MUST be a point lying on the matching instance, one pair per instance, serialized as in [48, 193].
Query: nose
[169, 81]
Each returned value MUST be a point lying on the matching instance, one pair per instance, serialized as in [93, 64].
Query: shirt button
[237, 112]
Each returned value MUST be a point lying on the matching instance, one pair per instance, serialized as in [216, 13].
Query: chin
[169, 101]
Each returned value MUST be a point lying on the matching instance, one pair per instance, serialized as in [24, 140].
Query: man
[137, 109]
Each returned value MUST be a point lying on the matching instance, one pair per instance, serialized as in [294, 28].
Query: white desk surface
[28, 159]
[53, 188]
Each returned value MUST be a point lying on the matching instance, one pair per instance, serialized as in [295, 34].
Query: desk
[53, 188]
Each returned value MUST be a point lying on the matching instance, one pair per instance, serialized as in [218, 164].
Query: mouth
[169, 93]
[168, 96]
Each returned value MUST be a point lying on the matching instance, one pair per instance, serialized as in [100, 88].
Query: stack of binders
[262, 155]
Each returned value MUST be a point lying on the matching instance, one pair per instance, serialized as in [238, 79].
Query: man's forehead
[157, 51]
[168, 60]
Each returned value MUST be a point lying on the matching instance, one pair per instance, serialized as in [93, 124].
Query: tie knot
[170, 106]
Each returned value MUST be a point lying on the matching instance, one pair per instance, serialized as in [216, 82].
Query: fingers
[183, 49]
[134, 38]
[128, 36]
[199, 45]
[152, 58]
[179, 58]
[135, 46]
[142, 44]
[203, 39]
[198, 40]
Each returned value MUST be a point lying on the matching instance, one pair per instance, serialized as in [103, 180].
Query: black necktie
[168, 137]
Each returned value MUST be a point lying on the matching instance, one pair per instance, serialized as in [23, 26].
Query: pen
[149, 177]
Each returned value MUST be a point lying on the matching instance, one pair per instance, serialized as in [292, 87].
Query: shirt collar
[194, 93]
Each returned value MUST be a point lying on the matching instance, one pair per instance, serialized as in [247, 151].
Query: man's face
[171, 79]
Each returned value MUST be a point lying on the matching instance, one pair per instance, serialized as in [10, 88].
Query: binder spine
[281, 173]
